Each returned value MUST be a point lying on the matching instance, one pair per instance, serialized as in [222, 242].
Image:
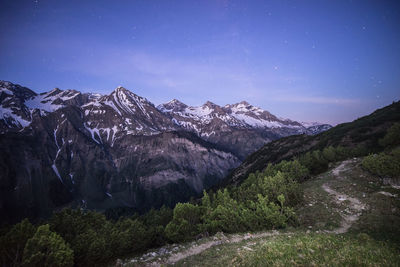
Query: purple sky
[327, 61]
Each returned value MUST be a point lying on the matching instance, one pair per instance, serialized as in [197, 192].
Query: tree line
[264, 201]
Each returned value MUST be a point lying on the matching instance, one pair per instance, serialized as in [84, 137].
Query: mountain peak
[125, 94]
[173, 105]
[5, 83]
[243, 103]
[120, 89]
[210, 104]
[55, 91]
[175, 102]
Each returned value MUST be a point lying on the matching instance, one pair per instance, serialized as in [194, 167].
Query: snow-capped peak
[174, 102]
[51, 101]
[172, 106]
[209, 104]
[310, 124]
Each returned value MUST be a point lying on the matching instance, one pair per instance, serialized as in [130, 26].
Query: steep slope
[14, 114]
[98, 152]
[123, 113]
[339, 204]
[67, 148]
[241, 128]
[365, 131]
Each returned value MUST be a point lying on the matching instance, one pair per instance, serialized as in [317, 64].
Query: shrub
[184, 224]
[47, 248]
[314, 162]
[130, 236]
[329, 154]
[12, 243]
[223, 214]
[385, 164]
[392, 137]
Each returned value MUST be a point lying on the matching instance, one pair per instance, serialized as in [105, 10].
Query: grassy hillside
[363, 133]
[326, 199]
[348, 217]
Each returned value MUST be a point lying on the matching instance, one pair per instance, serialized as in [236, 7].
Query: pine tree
[47, 248]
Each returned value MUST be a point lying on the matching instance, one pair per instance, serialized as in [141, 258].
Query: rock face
[240, 128]
[66, 148]
[364, 133]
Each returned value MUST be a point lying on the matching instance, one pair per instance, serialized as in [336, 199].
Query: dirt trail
[354, 209]
[355, 206]
[202, 247]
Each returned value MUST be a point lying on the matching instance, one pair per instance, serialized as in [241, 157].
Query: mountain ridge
[364, 132]
[67, 148]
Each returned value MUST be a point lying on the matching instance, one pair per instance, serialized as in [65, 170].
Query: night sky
[327, 61]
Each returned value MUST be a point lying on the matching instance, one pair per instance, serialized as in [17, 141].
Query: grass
[382, 219]
[372, 240]
[319, 211]
[320, 250]
[300, 249]
[221, 255]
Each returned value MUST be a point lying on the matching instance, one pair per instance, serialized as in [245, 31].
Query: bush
[184, 225]
[223, 214]
[385, 164]
[12, 244]
[314, 162]
[47, 248]
[392, 137]
[155, 222]
[130, 236]
[273, 182]
[329, 154]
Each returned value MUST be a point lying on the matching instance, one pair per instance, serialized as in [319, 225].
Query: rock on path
[355, 205]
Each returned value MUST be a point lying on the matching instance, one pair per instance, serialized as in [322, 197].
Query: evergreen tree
[12, 244]
[47, 248]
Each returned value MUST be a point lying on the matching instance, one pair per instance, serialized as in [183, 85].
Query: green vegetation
[358, 138]
[12, 243]
[47, 248]
[318, 250]
[83, 238]
[392, 137]
[386, 164]
[265, 200]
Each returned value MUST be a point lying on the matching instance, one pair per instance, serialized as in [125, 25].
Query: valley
[344, 205]
[64, 148]
[199, 133]
[291, 210]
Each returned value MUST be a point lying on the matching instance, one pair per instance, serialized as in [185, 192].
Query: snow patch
[40, 102]
[8, 114]
[56, 172]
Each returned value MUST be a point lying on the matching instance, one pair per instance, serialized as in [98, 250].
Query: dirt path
[354, 205]
[170, 256]
[350, 214]
[202, 247]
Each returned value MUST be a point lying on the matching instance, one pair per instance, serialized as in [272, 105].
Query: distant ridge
[67, 148]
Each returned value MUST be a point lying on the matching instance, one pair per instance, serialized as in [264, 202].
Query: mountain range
[67, 148]
[362, 134]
